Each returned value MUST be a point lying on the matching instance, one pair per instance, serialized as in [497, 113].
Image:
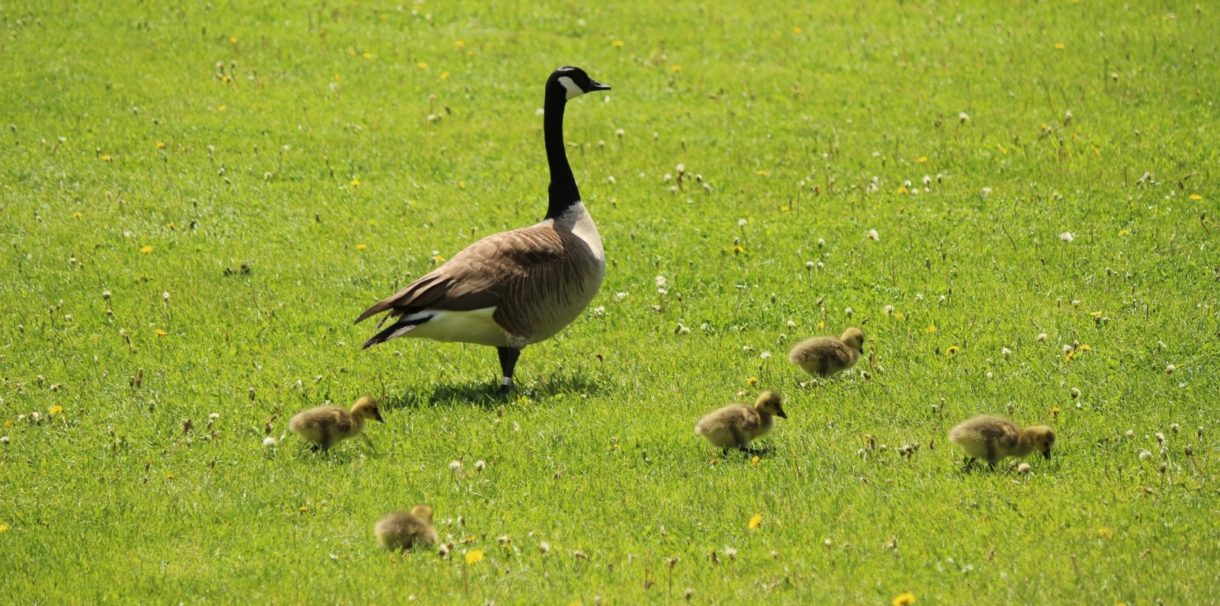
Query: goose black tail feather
[393, 330]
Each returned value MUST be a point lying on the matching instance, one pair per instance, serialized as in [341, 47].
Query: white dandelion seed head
[848, 311]
[986, 191]
[873, 235]
[619, 296]
[766, 355]
[660, 281]
[730, 552]
[1145, 455]
[809, 265]
[1041, 337]
[455, 465]
[1075, 392]
[1130, 433]
[1004, 351]
[888, 310]
[742, 222]
[480, 465]
[269, 442]
[1067, 236]
[1170, 368]
[213, 416]
[544, 547]
[106, 294]
[680, 168]
[618, 132]
[790, 324]
[821, 243]
[963, 117]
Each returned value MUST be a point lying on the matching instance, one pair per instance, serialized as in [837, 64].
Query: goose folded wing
[478, 276]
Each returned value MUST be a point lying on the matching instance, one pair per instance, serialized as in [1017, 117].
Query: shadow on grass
[488, 395]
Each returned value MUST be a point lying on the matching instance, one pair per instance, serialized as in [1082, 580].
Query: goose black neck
[563, 192]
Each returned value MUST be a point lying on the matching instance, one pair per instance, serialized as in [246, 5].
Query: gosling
[736, 425]
[326, 426]
[402, 531]
[993, 438]
[825, 356]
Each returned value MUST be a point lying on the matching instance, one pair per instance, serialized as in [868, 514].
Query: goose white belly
[476, 326]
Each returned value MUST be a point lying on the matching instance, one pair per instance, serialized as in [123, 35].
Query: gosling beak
[782, 415]
[377, 417]
[594, 85]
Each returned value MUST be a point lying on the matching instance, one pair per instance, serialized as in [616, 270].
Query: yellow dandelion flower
[232, 39]
[675, 68]
[105, 157]
[1124, 232]
[905, 598]
[361, 246]
[77, 215]
[474, 556]
[438, 258]
[902, 189]
[931, 329]
[1060, 46]
[160, 333]
[763, 173]
[738, 249]
[951, 350]
[1196, 198]
[3, 527]
[159, 145]
[754, 460]
[752, 380]
[617, 44]
[921, 160]
[459, 44]
[1055, 412]
[821, 324]
[356, 182]
[422, 65]
[1067, 357]
[1097, 314]
[222, 108]
[444, 75]
[1084, 347]
[1105, 532]
[55, 410]
[796, 30]
[755, 520]
[146, 249]
[303, 509]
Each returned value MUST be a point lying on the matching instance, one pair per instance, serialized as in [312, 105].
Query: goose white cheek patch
[570, 86]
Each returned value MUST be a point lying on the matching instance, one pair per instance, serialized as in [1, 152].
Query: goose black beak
[594, 85]
[782, 415]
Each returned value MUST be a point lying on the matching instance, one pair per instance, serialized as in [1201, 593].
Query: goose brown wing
[480, 275]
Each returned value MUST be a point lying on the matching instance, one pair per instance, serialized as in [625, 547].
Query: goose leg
[508, 361]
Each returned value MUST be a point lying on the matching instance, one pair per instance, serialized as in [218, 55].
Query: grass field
[196, 202]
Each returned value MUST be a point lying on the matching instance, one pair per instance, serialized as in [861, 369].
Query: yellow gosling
[325, 426]
[993, 438]
[402, 530]
[735, 425]
[825, 356]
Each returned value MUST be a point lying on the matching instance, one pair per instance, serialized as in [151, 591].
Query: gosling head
[854, 338]
[573, 82]
[771, 403]
[423, 512]
[1042, 438]
[367, 407]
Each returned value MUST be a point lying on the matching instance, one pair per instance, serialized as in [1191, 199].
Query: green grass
[319, 170]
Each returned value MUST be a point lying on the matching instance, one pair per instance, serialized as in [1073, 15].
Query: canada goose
[401, 530]
[736, 425]
[517, 287]
[327, 425]
[993, 438]
[824, 356]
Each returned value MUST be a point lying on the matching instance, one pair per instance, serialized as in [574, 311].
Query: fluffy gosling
[993, 438]
[327, 425]
[402, 531]
[825, 356]
[736, 425]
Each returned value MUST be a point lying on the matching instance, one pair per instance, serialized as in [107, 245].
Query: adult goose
[517, 287]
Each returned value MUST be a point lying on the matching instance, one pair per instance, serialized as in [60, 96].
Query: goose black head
[574, 82]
